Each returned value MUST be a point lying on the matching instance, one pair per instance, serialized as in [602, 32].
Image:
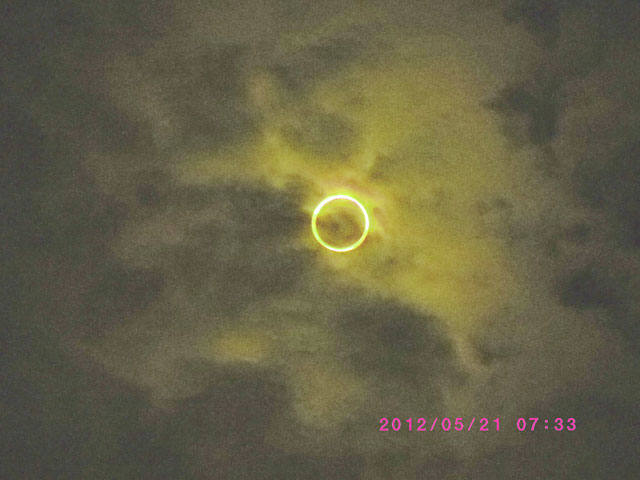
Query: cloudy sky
[166, 312]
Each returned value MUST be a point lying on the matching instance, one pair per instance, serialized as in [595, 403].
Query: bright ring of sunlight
[314, 228]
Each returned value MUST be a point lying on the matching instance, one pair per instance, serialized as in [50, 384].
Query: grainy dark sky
[165, 312]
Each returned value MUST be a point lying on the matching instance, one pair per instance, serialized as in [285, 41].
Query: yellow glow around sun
[314, 227]
[426, 157]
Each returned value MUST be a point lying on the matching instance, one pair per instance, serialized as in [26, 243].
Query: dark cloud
[391, 341]
[116, 293]
[557, 24]
[614, 187]
[227, 422]
[202, 91]
[490, 351]
[540, 17]
[323, 135]
[255, 222]
[62, 415]
[589, 287]
[600, 287]
[538, 102]
[321, 60]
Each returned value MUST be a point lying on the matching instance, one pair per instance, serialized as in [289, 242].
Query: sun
[314, 227]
